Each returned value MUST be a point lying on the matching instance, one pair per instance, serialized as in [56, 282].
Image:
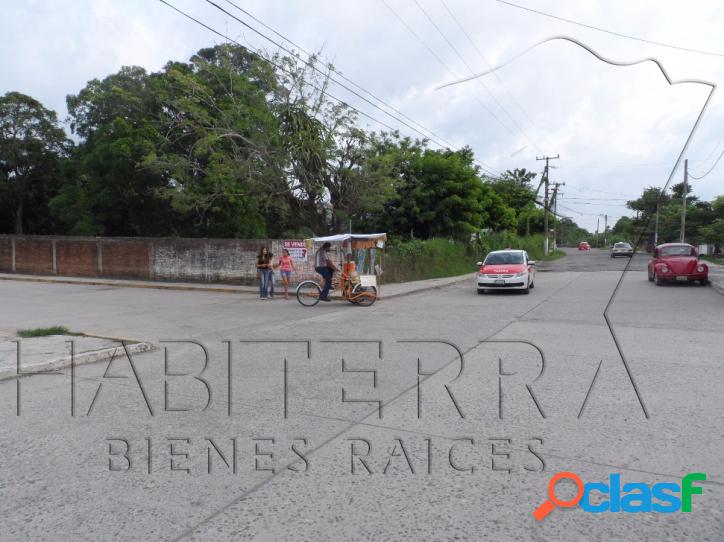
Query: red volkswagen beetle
[677, 262]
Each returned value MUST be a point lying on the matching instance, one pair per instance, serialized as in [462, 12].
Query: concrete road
[310, 424]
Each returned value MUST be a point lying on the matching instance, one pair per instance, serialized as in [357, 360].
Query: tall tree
[32, 145]
[113, 189]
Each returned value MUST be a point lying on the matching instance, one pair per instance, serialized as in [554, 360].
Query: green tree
[220, 154]
[443, 196]
[32, 146]
[112, 191]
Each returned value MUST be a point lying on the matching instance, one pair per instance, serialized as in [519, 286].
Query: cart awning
[350, 236]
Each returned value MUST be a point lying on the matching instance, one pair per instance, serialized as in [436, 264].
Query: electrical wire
[500, 80]
[480, 82]
[495, 176]
[325, 91]
[710, 169]
[443, 64]
[312, 58]
[619, 34]
[321, 72]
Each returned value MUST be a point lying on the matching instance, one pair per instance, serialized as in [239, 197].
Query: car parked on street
[621, 249]
[583, 245]
[677, 262]
[506, 270]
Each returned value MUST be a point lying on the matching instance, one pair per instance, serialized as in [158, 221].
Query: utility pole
[555, 211]
[683, 200]
[656, 222]
[545, 201]
[605, 231]
[598, 223]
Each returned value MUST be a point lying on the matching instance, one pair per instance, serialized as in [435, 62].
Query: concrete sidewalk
[52, 352]
[386, 290]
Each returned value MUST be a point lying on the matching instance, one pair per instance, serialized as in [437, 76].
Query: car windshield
[498, 258]
[621, 245]
[680, 250]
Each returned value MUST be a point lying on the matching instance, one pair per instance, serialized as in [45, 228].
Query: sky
[616, 129]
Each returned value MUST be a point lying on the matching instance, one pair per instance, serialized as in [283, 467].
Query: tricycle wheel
[308, 293]
[364, 296]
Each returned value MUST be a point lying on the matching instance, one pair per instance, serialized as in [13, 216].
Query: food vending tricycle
[353, 284]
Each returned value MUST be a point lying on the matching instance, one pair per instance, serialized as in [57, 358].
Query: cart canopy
[342, 237]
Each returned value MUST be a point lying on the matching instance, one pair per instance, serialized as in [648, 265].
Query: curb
[122, 284]
[457, 280]
[194, 288]
[7, 373]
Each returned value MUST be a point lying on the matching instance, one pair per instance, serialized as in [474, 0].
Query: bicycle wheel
[308, 293]
[364, 296]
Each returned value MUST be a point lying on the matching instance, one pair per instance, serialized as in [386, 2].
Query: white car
[506, 270]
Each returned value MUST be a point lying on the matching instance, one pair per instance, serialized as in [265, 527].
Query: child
[286, 266]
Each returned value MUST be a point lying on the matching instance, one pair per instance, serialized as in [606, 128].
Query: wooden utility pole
[545, 201]
[683, 200]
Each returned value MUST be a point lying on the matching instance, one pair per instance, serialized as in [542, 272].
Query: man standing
[325, 267]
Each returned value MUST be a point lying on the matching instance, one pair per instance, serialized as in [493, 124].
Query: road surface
[344, 444]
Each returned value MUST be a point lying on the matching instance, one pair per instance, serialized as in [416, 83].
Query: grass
[437, 258]
[45, 332]
[419, 260]
[555, 255]
[713, 259]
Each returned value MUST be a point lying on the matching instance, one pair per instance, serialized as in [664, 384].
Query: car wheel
[526, 290]
[703, 282]
[657, 280]
[481, 291]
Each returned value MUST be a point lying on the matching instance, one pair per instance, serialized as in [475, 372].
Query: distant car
[506, 270]
[583, 245]
[677, 262]
[621, 249]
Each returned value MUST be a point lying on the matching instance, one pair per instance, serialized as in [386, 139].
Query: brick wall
[6, 255]
[165, 259]
[125, 258]
[34, 255]
[76, 258]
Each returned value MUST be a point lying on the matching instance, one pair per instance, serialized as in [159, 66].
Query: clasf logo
[664, 497]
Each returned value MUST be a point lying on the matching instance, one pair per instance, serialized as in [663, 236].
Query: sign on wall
[297, 249]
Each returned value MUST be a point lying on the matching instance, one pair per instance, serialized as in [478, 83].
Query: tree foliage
[234, 143]
[32, 147]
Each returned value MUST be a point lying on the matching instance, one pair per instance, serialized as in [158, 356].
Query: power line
[710, 169]
[213, 30]
[312, 65]
[479, 81]
[279, 67]
[620, 35]
[312, 58]
[502, 83]
[444, 64]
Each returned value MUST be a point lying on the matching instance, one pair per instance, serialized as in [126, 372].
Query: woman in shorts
[286, 266]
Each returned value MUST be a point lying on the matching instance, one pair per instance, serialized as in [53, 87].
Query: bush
[532, 244]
